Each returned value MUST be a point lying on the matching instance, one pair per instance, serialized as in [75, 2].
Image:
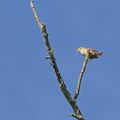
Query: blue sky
[28, 86]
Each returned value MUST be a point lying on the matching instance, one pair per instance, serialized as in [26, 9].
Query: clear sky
[28, 86]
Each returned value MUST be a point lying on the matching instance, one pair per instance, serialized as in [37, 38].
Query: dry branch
[86, 58]
[88, 53]
[77, 113]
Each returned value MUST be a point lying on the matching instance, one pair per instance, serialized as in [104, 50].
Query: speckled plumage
[92, 53]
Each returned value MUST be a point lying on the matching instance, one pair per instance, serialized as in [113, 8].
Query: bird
[92, 53]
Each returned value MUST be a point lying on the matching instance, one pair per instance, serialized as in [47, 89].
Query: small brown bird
[92, 53]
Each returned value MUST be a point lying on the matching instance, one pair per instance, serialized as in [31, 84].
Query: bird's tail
[100, 53]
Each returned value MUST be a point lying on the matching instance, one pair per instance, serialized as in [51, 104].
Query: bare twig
[77, 113]
[88, 53]
[86, 58]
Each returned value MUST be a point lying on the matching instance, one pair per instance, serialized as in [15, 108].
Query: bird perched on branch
[90, 52]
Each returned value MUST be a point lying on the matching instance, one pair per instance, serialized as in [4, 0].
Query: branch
[77, 113]
[86, 58]
[88, 53]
